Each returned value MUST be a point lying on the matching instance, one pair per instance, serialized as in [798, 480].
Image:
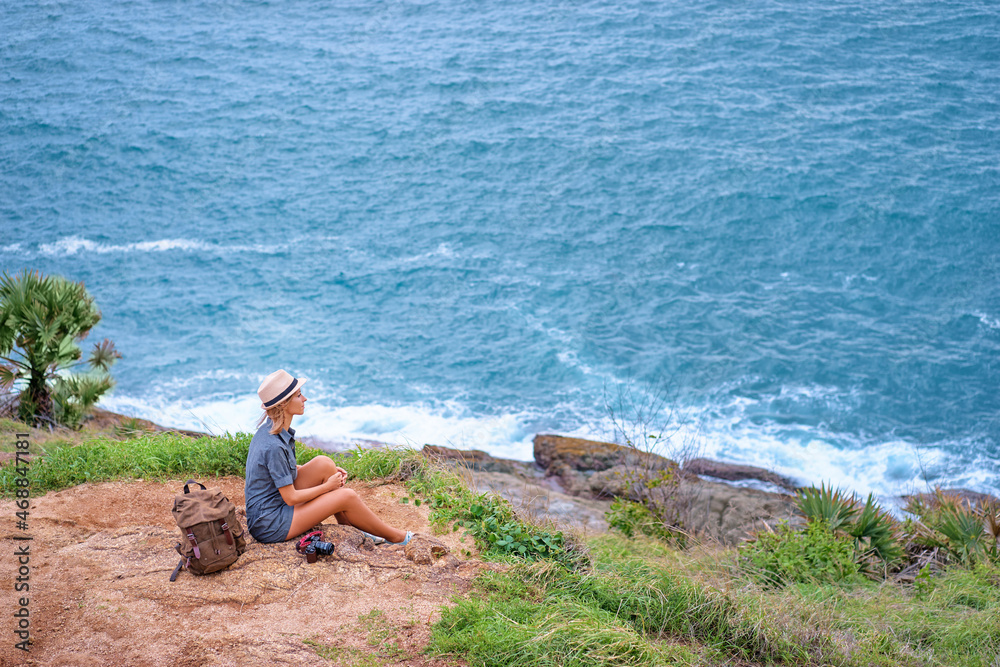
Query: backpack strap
[228, 533]
[191, 481]
[194, 544]
[173, 575]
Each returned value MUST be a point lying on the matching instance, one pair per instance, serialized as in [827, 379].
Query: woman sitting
[285, 499]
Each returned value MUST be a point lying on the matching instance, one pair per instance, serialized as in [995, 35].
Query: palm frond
[104, 355]
[964, 531]
[834, 507]
[9, 374]
[74, 395]
[874, 532]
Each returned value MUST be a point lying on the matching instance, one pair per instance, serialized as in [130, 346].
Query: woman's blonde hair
[280, 418]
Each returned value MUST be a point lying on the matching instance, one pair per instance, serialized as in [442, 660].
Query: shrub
[873, 531]
[814, 554]
[637, 519]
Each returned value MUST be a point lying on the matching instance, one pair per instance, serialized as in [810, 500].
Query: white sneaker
[374, 538]
[409, 536]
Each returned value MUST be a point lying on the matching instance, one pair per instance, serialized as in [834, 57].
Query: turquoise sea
[467, 222]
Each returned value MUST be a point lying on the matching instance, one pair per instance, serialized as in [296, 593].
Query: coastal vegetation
[826, 591]
[42, 321]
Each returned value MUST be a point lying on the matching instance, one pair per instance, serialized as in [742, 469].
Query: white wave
[987, 321]
[450, 425]
[215, 416]
[569, 358]
[851, 279]
[810, 454]
[566, 342]
[13, 247]
[443, 250]
[71, 245]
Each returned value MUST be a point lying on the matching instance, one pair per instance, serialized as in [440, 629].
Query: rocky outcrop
[576, 453]
[99, 419]
[533, 499]
[734, 472]
[573, 481]
[592, 468]
[101, 556]
[728, 514]
[480, 461]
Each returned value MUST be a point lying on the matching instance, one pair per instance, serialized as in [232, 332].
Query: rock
[729, 514]
[478, 460]
[596, 469]
[577, 453]
[574, 480]
[536, 502]
[734, 472]
[424, 550]
[351, 544]
[105, 419]
[563, 478]
[623, 480]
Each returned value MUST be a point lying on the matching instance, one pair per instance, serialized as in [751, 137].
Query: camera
[312, 545]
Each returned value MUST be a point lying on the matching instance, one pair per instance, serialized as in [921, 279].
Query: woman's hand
[337, 479]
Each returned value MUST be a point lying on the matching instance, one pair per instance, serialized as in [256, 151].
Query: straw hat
[277, 388]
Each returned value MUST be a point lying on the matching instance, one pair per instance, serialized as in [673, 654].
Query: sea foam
[73, 245]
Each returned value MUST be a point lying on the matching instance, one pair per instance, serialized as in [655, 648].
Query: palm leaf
[104, 355]
[833, 507]
[965, 534]
[879, 529]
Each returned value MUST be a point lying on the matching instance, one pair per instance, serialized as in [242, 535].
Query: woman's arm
[293, 496]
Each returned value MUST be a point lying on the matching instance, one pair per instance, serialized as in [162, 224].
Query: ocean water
[468, 223]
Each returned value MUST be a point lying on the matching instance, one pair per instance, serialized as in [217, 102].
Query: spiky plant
[964, 530]
[42, 319]
[833, 507]
[991, 528]
[874, 533]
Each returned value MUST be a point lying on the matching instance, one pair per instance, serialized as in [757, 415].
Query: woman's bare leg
[339, 502]
[315, 472]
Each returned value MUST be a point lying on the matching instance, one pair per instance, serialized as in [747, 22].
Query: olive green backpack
[212, 537]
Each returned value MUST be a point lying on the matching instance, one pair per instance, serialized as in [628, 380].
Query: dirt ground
[101, 556]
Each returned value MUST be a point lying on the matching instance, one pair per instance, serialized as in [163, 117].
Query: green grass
[646, 603]
[955, 623]
[150, 456]
[625, 611]
[514, 623]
